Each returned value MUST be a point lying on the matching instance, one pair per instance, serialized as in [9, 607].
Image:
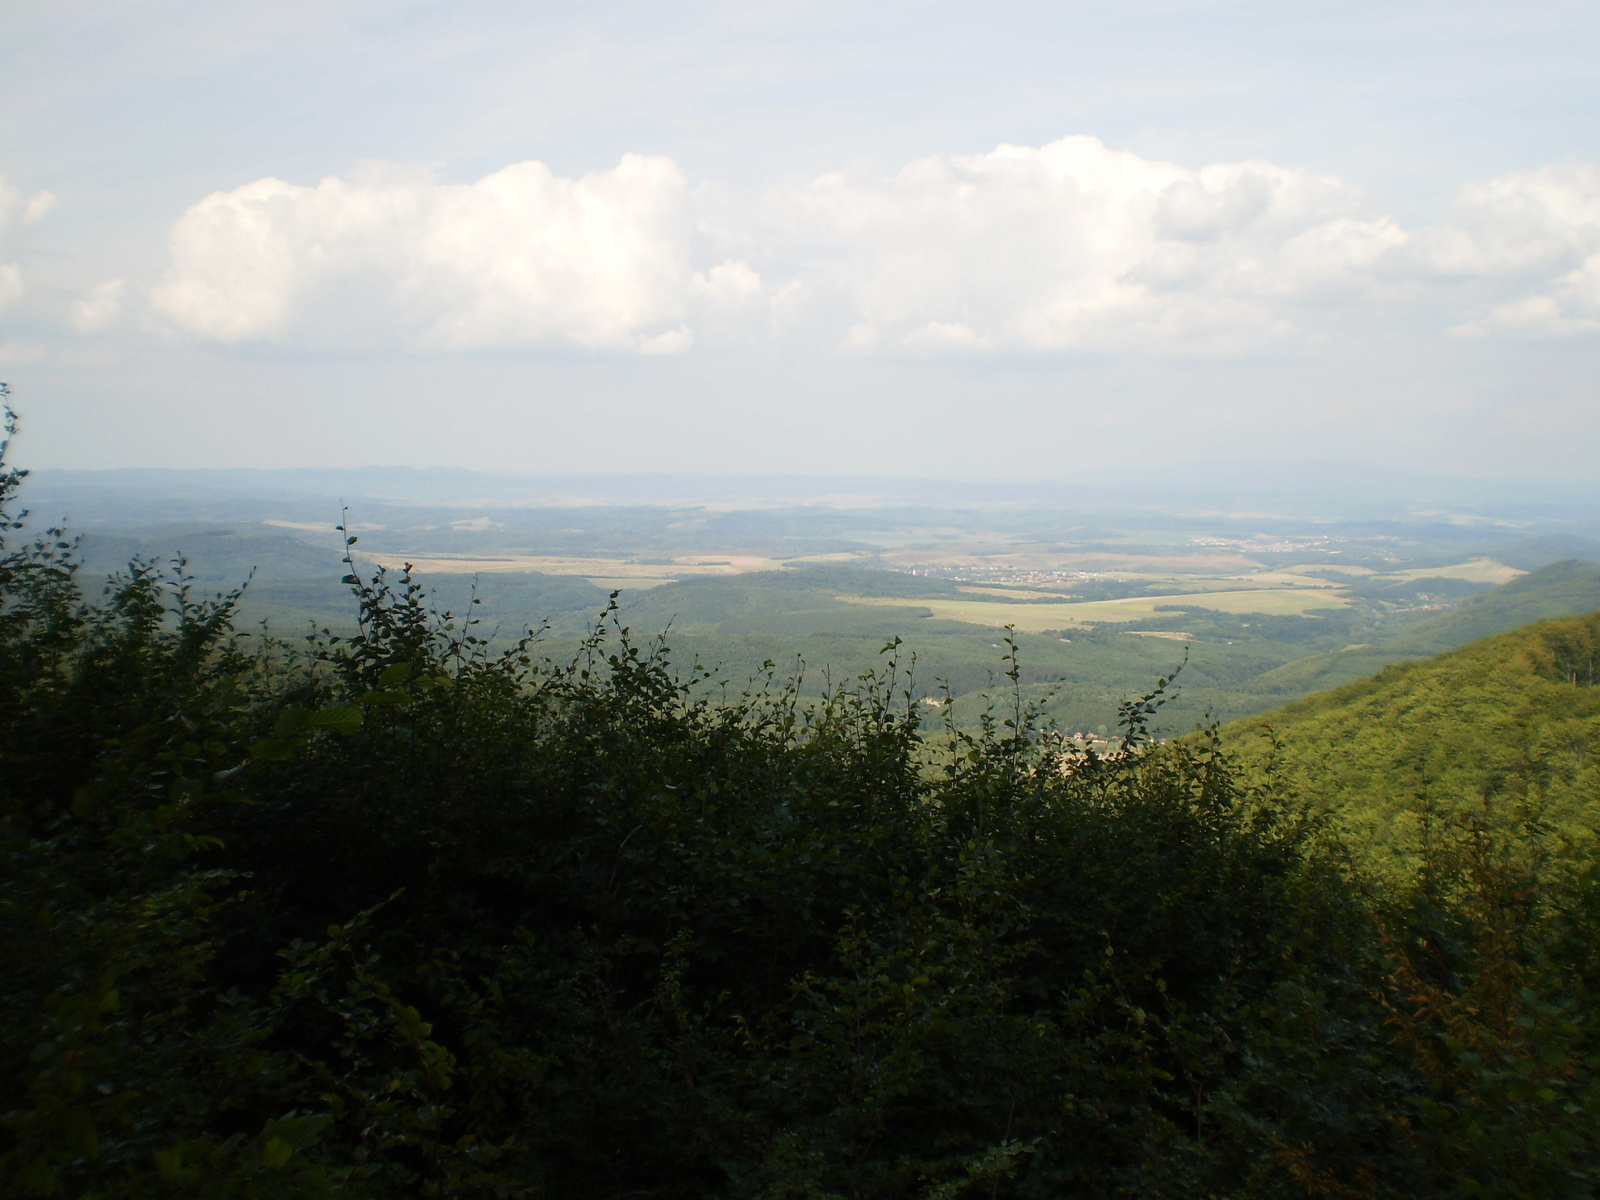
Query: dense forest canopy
[395, 913]
[1503, 731]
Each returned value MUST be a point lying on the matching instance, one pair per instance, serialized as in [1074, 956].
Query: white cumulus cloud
[731, 282]
[99, 309]
[15, 211]
[520, 256]
[1534, 236]
[10, 284]
[37, 206]
[1070, 244]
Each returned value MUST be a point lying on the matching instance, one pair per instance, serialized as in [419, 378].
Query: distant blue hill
[1297, 489]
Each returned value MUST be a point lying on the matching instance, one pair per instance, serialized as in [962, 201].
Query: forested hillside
[1558, 589]
[1505, 730]
[390, 912]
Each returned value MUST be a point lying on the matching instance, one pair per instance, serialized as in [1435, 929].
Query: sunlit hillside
[1505, 731]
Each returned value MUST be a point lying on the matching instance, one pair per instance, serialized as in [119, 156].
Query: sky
[923, 239]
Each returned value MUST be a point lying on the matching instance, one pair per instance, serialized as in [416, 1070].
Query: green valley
[1263, 607]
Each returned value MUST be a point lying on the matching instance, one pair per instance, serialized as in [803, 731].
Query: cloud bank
[520, 256]
[1060, 248]
[1534, 238]
[1073, 244]
[99, 309]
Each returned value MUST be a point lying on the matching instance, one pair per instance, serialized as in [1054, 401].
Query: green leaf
[276, 1153]
[396, 673]
[391, 699]
[170, 1163]
[297, 1132]
[337, 718]
[275, 749]
[291, 720]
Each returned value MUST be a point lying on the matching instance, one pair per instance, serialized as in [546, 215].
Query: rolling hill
[1561, 589]
[1505, 730]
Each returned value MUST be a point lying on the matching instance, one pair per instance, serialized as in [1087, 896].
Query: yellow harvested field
[1029, 618]
[1280, 579]
[996, 593]
[837, 556]
[1030, 558]
[1036, 618]
[1340, 568]
[1477, 570]
[1273, 602]
[1266, 580]
[607, 568]
[460, 564]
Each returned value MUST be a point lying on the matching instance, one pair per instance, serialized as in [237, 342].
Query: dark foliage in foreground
[396, 916]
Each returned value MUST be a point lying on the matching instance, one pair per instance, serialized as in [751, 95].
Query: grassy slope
[1507, 728]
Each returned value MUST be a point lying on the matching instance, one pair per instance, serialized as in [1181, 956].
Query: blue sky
[928, 239]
